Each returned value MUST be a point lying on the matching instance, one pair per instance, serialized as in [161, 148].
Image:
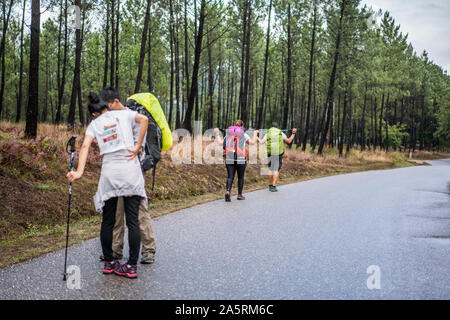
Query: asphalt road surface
[319, 239]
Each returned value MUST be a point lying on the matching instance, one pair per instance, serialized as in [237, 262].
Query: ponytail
[96, 105]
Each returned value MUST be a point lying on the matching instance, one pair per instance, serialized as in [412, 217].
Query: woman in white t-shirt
[121, 176]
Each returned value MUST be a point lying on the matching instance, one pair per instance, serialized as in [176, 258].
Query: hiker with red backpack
[234, 145]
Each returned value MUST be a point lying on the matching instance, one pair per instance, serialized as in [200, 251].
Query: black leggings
[131, 205]
[231, 169]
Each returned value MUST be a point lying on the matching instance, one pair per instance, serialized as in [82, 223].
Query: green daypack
[275, 142]
[153, 107]
[159, 136]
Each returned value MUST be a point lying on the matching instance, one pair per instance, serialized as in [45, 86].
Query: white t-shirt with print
[113, 130]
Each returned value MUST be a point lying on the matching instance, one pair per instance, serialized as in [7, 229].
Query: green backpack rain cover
[275, 143]
[152, 105]
[159, 136]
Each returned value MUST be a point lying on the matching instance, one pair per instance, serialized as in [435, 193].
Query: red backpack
[235, 145]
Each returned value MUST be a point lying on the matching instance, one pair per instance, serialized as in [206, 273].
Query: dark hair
[95, 103]
[275, 124]
[108, 94]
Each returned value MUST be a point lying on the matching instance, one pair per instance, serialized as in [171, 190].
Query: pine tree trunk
[210, 88]
[143, 44]
[194, 85]
[76, 76]
[311, 64]
[363, 122]
[105, 70]
[244, 110]
[284, 122]
[315, 113]
[344, 116]
[177, 76]
[171, 34]
[62, 84]
[186, 48]
[117, 45]
[33, 85]
[375, 126]
[149, 62]
[259, 113]
[113, 44]
[350, 122]
[219, 98]
[19, 98]
[244, 37]
[380, 128]
[386, 124]
[6, 17]
[45, 109]
[330, 96]
[80, 100]
[422, 122]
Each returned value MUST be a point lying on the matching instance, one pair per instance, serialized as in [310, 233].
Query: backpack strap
[153, 174]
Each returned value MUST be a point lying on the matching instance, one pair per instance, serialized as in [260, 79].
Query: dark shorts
[275, 162]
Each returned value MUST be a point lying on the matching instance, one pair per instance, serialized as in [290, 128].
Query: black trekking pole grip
[70, 143]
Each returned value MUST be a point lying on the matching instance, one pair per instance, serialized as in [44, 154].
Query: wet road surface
[311, 240]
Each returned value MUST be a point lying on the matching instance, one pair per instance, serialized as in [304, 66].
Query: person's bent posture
[275, 139]
[112, 99]
[120, 176]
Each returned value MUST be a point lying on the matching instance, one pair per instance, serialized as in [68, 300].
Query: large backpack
[275, 142]
[234, 145]
[159, 136]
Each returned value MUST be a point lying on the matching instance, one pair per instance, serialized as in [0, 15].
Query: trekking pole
[70, 143]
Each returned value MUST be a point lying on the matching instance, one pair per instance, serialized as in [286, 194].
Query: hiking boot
[227, 196]
[126, 270]
[110, 267]
[240, 197]
[115, 256]
[274, 189]
[148, 258]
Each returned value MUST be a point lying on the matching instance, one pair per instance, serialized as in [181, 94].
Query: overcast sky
[427, 23]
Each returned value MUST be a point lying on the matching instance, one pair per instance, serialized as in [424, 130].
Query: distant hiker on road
[121, 176]
[112, 99]
[275, 139]
[234, 145]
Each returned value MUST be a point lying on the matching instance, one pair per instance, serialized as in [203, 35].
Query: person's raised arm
[143, 121]
[255, 137]
[219, 139]
[74, 175]
[291, 138]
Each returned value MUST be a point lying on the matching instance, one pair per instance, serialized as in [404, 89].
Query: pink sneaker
[128, 271]
[110, 267]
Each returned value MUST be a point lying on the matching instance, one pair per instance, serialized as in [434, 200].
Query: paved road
[311, 240]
